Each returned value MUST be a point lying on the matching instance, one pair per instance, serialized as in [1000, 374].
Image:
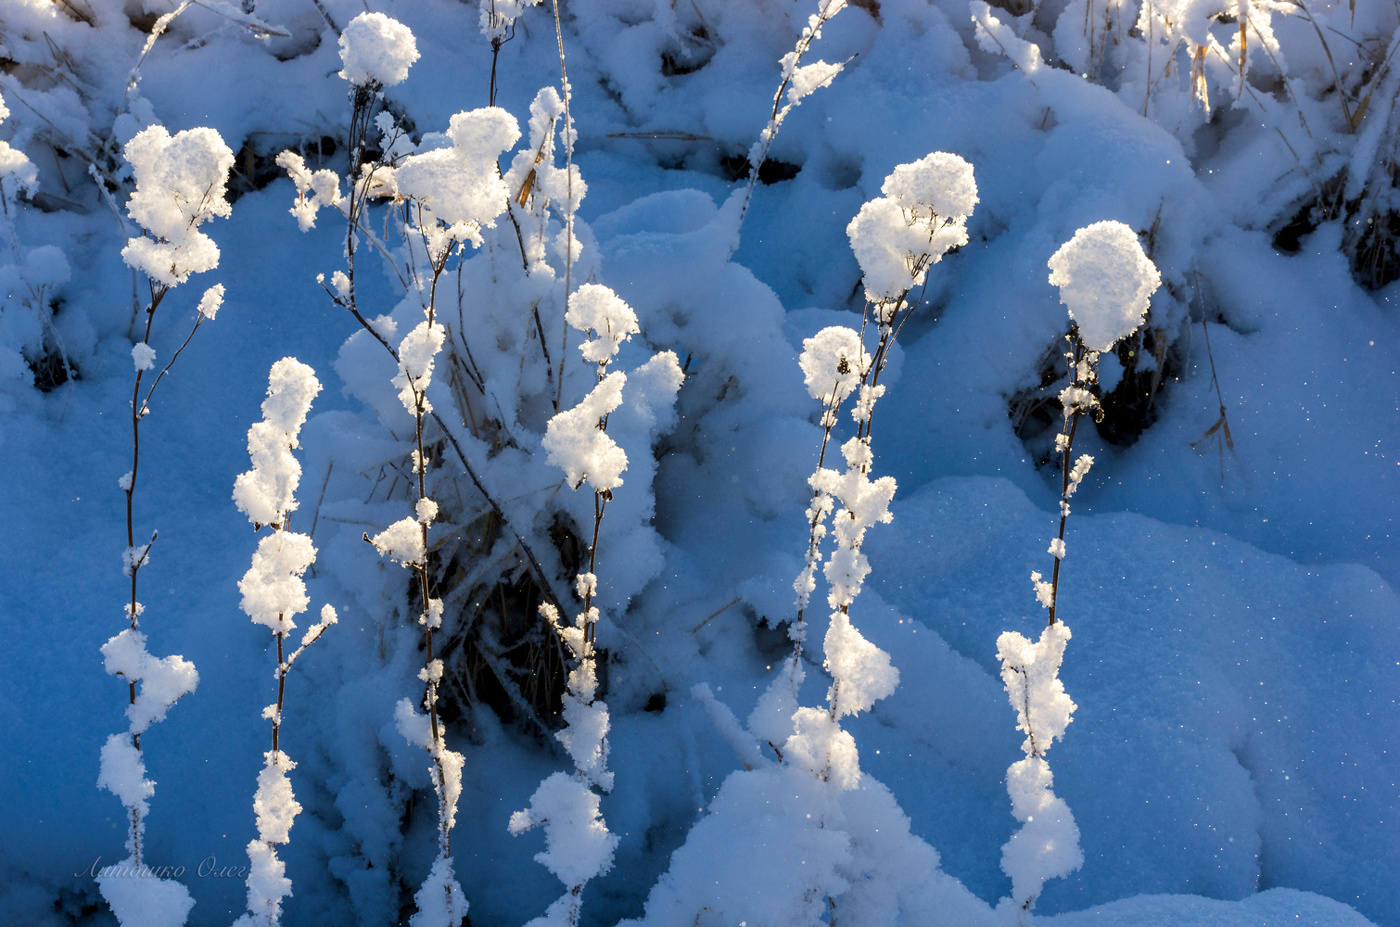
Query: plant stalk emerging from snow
[579, 846]
[179, 185]
[798, 82]
[273, 594]
[1106, 282]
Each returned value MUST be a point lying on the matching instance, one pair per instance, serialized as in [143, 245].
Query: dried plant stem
[354, 215]
[569, 206]
[1071, 425]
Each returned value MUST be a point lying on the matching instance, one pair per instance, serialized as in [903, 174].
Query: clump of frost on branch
[921, 217]
[273, 594]
[1047, 845]
[1106, 282]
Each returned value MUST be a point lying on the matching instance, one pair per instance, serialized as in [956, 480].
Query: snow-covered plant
[809, 837]
[798, 82]
[1106, 282]
[498, 26]
[578, 844]
[896, 238]
[180, 183]
[273, 594]
[31, 275]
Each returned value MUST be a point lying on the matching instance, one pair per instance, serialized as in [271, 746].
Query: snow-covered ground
[1230, 561]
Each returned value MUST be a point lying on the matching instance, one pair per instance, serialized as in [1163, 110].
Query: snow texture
[376, 51]
[140, 899]
[577, 444]
[1106, 281]
[180, 184]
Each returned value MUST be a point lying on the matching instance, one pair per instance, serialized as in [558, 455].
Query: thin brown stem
[1072, 417]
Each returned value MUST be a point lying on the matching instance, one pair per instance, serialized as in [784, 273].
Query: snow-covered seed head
[939, 183]
[1106, 281]
[180, 184]
[833, 361]
[598, 311]
[922, 216]
[376, 50]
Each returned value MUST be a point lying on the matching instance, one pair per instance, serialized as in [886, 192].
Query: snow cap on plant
[598, 311]
[922, 216]
[266, 493]
[376, 50]
[498, 17]
[461, 186]
[17, 172]
[1106, 281]
[180, 184]
[833, 361]
[578, 446]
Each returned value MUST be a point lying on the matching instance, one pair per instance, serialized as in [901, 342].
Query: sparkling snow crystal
[1106, 281]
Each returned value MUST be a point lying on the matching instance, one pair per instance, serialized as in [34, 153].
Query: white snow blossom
[833, 361]
[417, 352]
[600, 313]
[459, 188]
[923, 215]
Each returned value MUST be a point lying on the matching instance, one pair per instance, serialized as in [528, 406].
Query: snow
[577, 444]
[180, 185]
[1106, 281]
[376, 51]
[1232, 594]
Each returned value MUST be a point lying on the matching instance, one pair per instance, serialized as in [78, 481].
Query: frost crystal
[1106, 281]
[376, 50]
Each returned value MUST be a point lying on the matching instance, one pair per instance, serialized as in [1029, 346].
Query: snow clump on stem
[376, 51]
[1106, 281]
[921, 217]
[180, 184]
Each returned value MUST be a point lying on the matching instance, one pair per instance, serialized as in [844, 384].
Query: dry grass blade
[1221, 429]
